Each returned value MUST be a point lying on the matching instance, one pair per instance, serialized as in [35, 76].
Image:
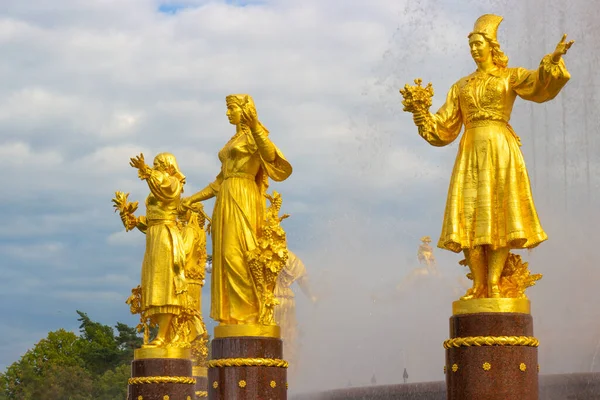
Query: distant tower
[405, 375]
[373, 380]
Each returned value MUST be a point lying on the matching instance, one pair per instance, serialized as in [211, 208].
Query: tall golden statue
[172, 257]
[248, 160]
[285, 312]
[490, 208]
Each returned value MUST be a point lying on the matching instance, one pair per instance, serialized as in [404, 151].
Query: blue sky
[84, 87]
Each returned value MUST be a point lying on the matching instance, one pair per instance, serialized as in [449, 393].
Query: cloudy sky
[87, 84]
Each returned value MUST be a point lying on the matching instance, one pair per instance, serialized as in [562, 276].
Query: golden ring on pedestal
[248, 362]
[161, 379]
[478, 341]
[491, 305]
[162, 352]
[225, 331]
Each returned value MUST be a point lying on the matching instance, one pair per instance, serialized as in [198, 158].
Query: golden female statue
[163, 283]
[490, 208]
[248, 160]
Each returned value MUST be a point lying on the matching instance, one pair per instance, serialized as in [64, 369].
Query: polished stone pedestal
[492, 356]
[159, 374]
[247, 368]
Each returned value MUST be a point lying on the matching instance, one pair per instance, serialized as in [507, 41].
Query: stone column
[247, 364]
[491, 353]
[161, 374]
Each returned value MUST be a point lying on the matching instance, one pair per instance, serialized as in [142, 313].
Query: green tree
[64, 366]
[127, 341]
[100, 350]
[48, 363]
[113, 383]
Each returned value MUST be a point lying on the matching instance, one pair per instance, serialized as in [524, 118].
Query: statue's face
[234, 113]
[480, 48]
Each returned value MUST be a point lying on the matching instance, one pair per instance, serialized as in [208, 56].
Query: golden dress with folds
[489, 199]
[238, 216]
[163, 280]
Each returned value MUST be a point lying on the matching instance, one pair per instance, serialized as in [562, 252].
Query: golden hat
[487, 24]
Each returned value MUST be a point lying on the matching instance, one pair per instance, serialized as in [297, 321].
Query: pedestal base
[201, 376]
[247, 368]
[161, 378]
[491, 356]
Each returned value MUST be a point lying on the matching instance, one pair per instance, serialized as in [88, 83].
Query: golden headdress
[488, 25]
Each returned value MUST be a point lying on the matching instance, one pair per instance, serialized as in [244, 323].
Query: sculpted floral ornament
[268, 259]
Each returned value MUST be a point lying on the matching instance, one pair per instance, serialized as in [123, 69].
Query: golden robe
[489, 200]
[163, 279]
[238, 215]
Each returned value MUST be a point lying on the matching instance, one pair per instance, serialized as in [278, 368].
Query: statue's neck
[486, 66]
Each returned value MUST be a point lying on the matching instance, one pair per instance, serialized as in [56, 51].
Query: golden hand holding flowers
[417, 100]
[126, 210]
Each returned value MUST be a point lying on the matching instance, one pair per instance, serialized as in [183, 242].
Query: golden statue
[490, 208]
[239, 219]
[425, 252]
[192, 223]
[285, 312]
[165, 298]
[427, 268]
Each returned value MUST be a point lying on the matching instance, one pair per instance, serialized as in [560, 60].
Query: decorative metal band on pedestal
[492, 354]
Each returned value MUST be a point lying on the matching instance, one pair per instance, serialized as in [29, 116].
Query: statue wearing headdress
[163, 298]
[240, 216]
[489, 208]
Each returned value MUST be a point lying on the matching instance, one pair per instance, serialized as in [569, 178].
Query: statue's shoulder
[463, 81]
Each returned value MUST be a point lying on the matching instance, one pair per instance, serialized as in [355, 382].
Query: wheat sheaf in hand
[417, 98]
[122, 205]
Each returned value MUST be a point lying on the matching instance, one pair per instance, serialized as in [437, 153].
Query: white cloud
[22, 155]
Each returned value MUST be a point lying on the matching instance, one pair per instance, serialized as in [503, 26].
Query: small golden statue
[173, 257]
[490, 208]
[285, 312]
[425, 252]
[241, 223]
[192, 224]
[427, 268]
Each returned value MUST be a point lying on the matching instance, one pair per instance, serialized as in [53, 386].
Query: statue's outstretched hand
[139, 163]
[561, 48]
